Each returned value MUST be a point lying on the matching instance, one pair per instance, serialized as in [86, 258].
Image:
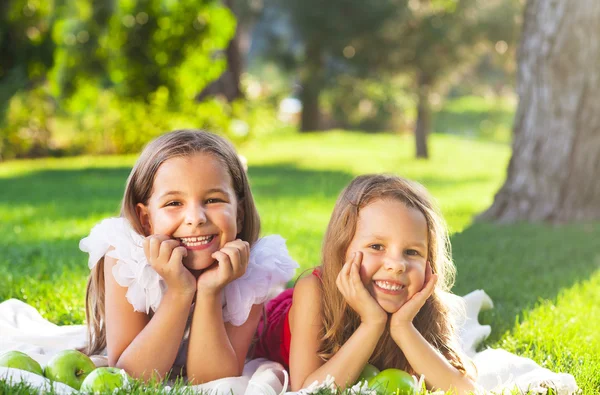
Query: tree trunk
[423, 124]
[553, 173]
[228, 83]
[312, 82]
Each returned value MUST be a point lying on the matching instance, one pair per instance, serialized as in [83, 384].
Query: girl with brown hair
[181, 276]
[380, 296]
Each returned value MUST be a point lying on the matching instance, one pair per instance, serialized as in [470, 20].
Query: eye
[376, 247]
[214, 200]
[173, 203]
[413, 253]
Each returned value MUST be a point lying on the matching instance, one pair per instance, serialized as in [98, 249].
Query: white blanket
[23, 328]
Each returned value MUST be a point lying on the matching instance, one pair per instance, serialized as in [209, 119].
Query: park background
[490, 104]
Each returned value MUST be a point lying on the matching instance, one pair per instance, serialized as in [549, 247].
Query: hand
[356, 295]
[409, 310]
[165, 255]
[232, 261]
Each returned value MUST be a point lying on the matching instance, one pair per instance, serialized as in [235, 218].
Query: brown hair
[139, 189]
[434, 320]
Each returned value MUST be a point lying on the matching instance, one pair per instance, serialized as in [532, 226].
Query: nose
[394, 264]
[195, 215]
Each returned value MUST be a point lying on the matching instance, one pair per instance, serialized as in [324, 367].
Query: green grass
[543, 279]
[474, 117]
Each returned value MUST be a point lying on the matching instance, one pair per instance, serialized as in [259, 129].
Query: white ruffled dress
[269, 268]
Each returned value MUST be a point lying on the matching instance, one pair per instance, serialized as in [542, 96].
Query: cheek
[162, 223]
[227, 222]
[419, 277]
[368, 267]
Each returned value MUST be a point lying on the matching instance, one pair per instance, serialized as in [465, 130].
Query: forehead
[391, 217]
[200, 170]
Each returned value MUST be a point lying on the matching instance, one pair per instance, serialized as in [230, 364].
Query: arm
[135, 343]
[426, 360]
[305, 325]
[225, 345]
[421, 355]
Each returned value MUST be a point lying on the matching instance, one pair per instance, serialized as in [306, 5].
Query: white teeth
[389, 286]
[196, 241]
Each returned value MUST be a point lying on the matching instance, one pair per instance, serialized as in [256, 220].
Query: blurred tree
[553, 173]
[26, 46]
[429, 39]
[437, 38]
[80, 59]
[139, 46]
[329, 32]
[26, 54]
[228, 85]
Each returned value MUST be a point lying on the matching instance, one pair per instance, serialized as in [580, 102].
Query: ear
[144, 218]
[240, 216]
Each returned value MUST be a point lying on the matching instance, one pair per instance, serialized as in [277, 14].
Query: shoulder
[307, 295]
[308, 284]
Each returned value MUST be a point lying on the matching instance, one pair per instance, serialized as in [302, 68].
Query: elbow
[135, 373]
[200, 374]
[468, 386]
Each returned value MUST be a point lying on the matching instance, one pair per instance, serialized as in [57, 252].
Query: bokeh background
[492, 105]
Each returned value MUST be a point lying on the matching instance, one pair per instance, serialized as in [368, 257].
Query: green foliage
[28, 125]
[140, 46]
[370, 104]
[113, 124]
[25, 47]
[107, 76]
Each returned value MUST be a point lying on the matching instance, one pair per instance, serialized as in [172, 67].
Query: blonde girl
[181, 276]
[380, 295]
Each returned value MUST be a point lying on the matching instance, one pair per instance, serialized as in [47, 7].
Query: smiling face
[393, 240]
[193, 201]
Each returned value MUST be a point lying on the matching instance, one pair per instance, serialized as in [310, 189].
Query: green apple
[20, 360]
[104, 380]
[394, 382]
[70, 367]
[367, 373]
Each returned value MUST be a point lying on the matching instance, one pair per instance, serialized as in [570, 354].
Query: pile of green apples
[72, 368]
[389, 381]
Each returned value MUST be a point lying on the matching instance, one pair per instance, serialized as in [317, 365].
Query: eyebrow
[176, 193]
[381, 238]
[217, 190]
[170, 193]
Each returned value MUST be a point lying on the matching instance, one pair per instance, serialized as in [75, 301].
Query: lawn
[543, 279]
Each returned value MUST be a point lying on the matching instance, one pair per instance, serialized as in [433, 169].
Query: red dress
[274, 336]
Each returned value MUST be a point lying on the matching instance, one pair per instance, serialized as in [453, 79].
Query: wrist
[208, 297]
[374, 326]
[179, 296]
[402, 331]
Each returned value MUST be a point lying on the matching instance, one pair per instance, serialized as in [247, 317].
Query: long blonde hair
[434, 320]
[138, 190]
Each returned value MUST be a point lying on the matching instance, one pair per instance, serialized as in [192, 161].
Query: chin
[195, 262]
[390, 308]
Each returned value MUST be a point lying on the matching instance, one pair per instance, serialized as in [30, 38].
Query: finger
[154, 247]
[355, 272]
[245, 253]
[166, 249]
[234, 257]
[344, 274]
[348, 264]
[223, 263]
[428, 271]
[427, 290]
[177, 255]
